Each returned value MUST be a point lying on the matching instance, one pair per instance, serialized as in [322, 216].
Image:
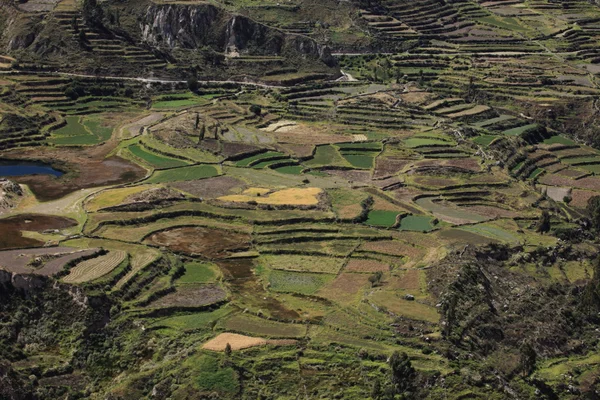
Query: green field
[155, 160]
[199, 272]
[520, 130]
[81, 131]
[255, 158]
[417, 223]
[183, 174]
[382, 218]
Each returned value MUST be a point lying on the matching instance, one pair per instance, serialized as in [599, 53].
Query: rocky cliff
[172, 26]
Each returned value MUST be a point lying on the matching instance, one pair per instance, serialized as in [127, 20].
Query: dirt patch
[393, 248]
[11, 227]
[305, 134]
[297, 150]
[352, 175]
[191, 296]
[210, 188]
[469, 164]
[237, 149]
[409, 280]
[389, 166]
[365, 265]
[237, 342]
[580, 198]
[18, 260]
[244, 284]
[207, 242]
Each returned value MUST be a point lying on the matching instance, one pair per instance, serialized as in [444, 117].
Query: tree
[197, 121]
[193, 84]
[528, 359]
[376, 390]
[228, 350]
[590, 300]
[593, 209]
[92, 13]
[375, 279]
[543, 225]
[403, 373]
[255, 109]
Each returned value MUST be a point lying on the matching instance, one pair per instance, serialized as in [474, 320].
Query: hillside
[374, 199]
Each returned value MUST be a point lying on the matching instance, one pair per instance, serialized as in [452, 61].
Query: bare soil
[191, 296]
[207, 242]
[11, 227]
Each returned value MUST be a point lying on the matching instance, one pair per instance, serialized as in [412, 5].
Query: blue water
[18, 168]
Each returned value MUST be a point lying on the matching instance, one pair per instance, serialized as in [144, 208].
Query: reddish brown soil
[365, 265]
[210, 188]
[352, 175]
[236, 149]
[580, 198]
[10, 229]
[345, 288]
[389, 166]
[207, 242]
[191, 296]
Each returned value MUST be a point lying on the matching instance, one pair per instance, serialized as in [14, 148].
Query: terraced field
[413, 217]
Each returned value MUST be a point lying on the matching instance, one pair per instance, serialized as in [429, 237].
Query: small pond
[19, 168]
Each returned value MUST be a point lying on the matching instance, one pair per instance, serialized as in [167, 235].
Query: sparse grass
[297, 282]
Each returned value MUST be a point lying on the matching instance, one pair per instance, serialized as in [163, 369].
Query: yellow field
[113, 197]
[292, 196]
[237, 342]
[95, 268]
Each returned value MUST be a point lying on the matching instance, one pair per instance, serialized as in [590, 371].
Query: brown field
[210, 188]
[389, 166]
[580, 198]
[351, 211]
[408, 280]
[393, 248]
[11, 227]
[190, 296]
[292, 197]
[296, 150]
[470, 164]
[309, 134]
[366, 265]
[237, 342]
[237, 149]
[352, 175]
[492, 212]
[572, 173]
[345, 288]
[590, 182]
[56, 265]
[435, 182]
[211, 243]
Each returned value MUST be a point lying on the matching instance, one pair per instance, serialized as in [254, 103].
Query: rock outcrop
[170, 26]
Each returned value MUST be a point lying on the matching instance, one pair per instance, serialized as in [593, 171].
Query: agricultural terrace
[249, 235]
